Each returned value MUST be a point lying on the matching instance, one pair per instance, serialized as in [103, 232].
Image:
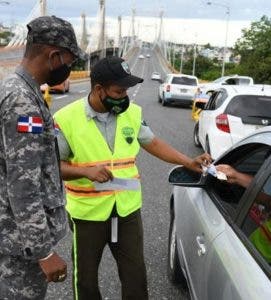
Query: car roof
[181, 75]
[247, 89]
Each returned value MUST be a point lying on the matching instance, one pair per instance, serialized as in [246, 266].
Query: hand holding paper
[115, 184]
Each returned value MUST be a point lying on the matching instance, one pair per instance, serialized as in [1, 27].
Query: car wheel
[196, 135]
[164, 103]
[175, 273]
[159, 98]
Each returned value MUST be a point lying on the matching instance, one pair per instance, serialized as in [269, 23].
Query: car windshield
[218, 80]
[184, 80]
[252, 109]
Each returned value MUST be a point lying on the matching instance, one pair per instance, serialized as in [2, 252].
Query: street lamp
[226, 35]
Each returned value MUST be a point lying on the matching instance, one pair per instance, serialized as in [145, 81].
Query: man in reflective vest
[100, 137]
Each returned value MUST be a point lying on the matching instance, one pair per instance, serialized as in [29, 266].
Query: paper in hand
[211, 169]
[130, 184]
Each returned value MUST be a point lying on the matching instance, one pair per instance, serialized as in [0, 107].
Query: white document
[211, 169]
[130, 184]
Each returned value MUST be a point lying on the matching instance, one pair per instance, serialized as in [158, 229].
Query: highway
[172, 124]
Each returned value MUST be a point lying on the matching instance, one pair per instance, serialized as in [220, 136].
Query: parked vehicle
[231, 113]
[60, 88]
[156, 76]
[211, 250]
[141, 56]
[178, 89]
[226, 80]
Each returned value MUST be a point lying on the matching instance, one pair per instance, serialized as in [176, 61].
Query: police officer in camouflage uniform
[32, 215]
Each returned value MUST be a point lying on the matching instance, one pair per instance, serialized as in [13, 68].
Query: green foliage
[6, 35]
[255, 50]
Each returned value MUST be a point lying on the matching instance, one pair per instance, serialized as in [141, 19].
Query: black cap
[51, 30]
[114, 69]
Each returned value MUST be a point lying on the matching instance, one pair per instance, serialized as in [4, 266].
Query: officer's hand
[54, 268]
[99, 173]
[202, 160]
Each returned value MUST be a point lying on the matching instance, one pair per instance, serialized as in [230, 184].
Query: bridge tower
[84, 40]
[120, 36]
[133, 26]
[43, 8]
[101, 38]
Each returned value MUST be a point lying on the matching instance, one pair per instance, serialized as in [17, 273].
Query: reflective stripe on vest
[90, 149]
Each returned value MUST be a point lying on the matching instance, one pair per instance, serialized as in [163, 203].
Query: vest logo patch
[129, 134]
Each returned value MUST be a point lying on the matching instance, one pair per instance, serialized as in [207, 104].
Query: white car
[141, 56]
[148, 55]
[226, 80]
[178, 89]
[155, 76]
[231, 113]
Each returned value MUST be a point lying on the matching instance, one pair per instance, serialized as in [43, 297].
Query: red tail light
[222, 123]
[168, 88]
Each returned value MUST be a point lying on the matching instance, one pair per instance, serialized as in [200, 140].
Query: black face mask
[116, 106]
[59, 75]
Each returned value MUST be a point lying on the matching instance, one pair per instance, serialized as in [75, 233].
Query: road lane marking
[83, 91]
[63, 96]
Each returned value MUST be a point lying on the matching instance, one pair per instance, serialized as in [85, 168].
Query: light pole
[226, 35]
[194, 55]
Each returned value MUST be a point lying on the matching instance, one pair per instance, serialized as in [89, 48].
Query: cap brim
[129, 81]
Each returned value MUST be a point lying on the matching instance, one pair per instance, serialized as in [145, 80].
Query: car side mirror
[184, 177]
[200, 105]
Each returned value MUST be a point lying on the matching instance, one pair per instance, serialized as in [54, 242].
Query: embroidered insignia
[129, 134]
[30, 124]
[125, 67]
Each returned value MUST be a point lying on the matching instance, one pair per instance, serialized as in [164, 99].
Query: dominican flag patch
[57, 128]
[30, 124]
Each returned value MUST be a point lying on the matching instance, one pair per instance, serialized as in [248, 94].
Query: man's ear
[98, 88]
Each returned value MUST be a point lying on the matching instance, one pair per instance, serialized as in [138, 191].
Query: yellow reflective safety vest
[261, 238]
[89, 148]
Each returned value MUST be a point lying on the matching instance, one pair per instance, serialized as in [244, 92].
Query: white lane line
[59, 97]
[82, 91]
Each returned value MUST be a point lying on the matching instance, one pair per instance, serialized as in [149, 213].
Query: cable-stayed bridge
[98, 44]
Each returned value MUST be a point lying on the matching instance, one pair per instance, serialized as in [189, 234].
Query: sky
[184, 21]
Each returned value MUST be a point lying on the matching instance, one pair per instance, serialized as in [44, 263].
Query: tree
[255, 49]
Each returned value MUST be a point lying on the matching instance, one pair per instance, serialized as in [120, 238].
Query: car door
[197, 225]
[206, 120]
[232, 273]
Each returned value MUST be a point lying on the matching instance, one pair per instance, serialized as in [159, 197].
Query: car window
[216, 100]
[252, 109]
[219, 80]
[257, 223]
[243, 81]
[247, 159]
[184, 80]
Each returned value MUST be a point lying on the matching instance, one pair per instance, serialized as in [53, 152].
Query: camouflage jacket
[32, 214]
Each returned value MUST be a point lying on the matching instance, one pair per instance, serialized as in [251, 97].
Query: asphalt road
[172, 124]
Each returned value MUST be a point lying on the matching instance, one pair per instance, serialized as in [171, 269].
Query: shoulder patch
[33, 124]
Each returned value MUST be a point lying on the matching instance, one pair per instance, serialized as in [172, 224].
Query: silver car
[210, 246]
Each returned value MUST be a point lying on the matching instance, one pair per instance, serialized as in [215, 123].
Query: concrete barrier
[79, 75]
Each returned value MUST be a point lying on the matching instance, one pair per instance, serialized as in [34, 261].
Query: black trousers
[89, 240]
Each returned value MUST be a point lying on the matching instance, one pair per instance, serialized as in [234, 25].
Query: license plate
[183, 90]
